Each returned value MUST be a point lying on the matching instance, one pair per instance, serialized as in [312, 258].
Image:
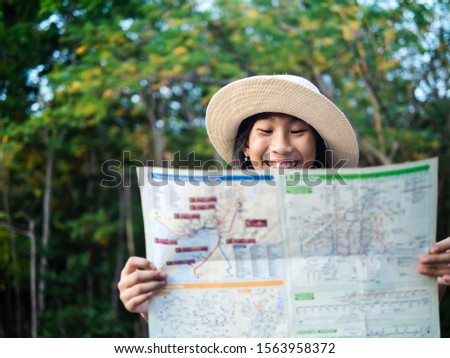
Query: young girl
[278, 121]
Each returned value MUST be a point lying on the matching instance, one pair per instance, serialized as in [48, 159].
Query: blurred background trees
[87, 81]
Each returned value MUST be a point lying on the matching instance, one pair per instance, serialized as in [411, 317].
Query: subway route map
[292, 254]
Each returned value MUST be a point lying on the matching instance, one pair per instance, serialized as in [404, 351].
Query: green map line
[363, 175]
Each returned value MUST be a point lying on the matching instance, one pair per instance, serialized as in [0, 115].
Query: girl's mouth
[281, 164]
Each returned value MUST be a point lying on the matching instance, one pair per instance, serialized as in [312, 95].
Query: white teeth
[286, 165]
[282, 165]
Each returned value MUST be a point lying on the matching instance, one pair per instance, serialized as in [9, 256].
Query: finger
[133, 304]
[137, 294]
[140, 276]
[443, 258]
[143, 288]
[444, 280]
[441, 246]
[134, 263]
[433, 271]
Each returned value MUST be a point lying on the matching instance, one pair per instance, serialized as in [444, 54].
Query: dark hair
[238, 157]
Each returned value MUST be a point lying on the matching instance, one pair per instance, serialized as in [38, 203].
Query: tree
[90, 89]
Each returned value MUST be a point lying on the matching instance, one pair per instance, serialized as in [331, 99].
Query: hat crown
[299, 80]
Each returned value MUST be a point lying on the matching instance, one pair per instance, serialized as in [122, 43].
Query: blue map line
[209, 178]
[225, 256]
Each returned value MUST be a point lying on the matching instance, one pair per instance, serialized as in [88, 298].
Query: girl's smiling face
[281, 141]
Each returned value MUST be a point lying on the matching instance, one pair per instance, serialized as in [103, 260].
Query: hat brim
[247, 97]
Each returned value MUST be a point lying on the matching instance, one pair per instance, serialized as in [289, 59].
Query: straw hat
[286, 94]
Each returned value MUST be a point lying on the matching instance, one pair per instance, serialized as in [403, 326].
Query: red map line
[218, 240]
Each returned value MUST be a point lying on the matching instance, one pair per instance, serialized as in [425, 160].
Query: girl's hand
[437, 263]
[138, 281]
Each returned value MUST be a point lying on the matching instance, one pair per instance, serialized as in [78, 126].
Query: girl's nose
[280, 143]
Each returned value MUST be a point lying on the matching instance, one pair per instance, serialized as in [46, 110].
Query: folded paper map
[316, 253]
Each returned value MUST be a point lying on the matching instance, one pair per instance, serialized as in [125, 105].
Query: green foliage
[83, 81]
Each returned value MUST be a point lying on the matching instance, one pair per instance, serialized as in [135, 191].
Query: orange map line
[174, 286]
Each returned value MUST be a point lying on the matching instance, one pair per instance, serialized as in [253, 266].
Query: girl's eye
[298, 131]
[266, 131]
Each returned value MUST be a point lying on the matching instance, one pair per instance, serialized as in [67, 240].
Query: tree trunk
[374, 96]
[153, 108]
[46, 221]
[34, 321]
[158, 137]
[375, 152]
[30, 234]
[13, 250]
[119, 257]
[129, 219]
